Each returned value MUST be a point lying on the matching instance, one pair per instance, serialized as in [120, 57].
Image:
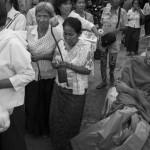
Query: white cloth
[20, 21]
[15, 65]
[146, 9]
[133, 19]
[4, 119]
[31, 19]
[85, 24]
[44, 45]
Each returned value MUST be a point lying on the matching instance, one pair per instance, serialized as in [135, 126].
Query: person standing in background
[109, 21]
[15, 20]
[146, 11]
[80, 6]
[133, 31]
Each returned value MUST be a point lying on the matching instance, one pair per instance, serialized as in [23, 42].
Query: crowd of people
[46, 59]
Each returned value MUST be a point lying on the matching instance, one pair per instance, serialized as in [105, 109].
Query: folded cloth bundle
[4, 119]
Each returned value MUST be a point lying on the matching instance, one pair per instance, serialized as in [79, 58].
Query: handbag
[62, 74]
[110, 38]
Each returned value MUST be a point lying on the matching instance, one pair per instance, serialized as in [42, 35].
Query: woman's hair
[57, 4]
[73, 23]
[86, 2]
[3, 14]
[48, 7]
[138, 2]
[14, 3]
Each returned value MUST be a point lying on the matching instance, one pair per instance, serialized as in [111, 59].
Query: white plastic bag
[4, 119]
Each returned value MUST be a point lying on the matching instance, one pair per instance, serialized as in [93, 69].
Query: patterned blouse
[44, 45]
[80, 55]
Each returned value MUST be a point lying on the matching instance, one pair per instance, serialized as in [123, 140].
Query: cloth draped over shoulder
[136, 75]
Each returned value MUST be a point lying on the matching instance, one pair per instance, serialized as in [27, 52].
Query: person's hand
[64, 64]
[121, 86]
[35, 57]
[53, 22]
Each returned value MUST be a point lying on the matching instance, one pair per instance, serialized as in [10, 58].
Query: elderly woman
[15, 73]
[69, 97]
[63, 9]
[41, 45]
[109, 21]
[15, 20]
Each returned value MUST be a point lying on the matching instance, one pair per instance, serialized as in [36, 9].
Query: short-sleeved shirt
[80, 55]
[133, 18]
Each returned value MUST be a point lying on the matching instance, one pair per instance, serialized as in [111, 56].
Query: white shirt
[85, 24]
[15, 65]
[146, 9]
[31, 19]
[133, 19]
[19, 23]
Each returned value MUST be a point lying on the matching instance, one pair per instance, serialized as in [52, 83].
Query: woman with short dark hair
[15, 73]
[134, 15]
[68, 98]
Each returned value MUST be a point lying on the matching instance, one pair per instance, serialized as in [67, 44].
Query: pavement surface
[94, 100]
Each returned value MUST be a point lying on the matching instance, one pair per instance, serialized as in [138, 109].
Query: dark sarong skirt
[14, 137]
[65, 117]
[37, 106]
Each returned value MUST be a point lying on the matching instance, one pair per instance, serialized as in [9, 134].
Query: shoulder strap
[56, 44]
[11, 21]
[119, 14]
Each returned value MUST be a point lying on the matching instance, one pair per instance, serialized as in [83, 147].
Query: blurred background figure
[146, 11]
[80, 6]
[134, 15]
[15, 20]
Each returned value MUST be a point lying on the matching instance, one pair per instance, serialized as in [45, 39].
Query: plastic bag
[110, 98]
[120, 131]
[4, 119]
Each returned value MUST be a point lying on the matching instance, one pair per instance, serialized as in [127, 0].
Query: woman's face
[80, 5]
[135, 4]
[42, 18]
[65, 8]
[70, 35]
[115, 3]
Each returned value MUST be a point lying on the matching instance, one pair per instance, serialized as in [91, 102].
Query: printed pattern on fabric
[81, 55]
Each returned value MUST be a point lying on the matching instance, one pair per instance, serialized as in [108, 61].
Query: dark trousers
[37, 106]
[132, 39]
[147, 25]
[112, 64]
[14, 137]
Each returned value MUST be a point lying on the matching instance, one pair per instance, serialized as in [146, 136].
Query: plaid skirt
[65, 117]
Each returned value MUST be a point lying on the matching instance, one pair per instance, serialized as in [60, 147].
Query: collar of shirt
[11, 14]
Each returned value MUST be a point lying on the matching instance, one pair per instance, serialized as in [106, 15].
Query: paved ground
[94, 101]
